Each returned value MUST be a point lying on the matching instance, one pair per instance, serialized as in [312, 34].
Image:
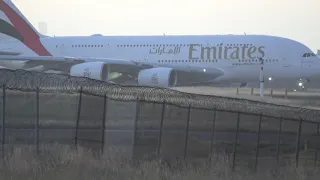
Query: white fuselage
[236, 55]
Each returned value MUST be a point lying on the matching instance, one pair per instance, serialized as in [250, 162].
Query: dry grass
[65, 163]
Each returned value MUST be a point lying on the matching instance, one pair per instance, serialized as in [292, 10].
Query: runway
[308, 99]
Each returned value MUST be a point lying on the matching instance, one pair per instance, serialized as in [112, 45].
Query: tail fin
[13, 24]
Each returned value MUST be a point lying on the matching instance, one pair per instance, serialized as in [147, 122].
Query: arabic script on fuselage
[165, 50]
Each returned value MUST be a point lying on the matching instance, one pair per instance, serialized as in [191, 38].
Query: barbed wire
[23, 80]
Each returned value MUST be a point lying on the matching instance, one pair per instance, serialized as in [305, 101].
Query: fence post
[3, 118]
[279, 138]
[235, 142]
[134, 138]
[104, 115]
[161, 127]
[187, 133]
[286, 93]
[298, 142]
[78, 118]
[212, 135]
[317, 145]
[258, 142]
[37, 119]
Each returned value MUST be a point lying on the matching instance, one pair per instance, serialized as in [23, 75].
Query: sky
[294, 19]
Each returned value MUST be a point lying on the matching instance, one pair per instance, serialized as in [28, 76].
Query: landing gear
[243, 84]
[261, 79]
[301, 84]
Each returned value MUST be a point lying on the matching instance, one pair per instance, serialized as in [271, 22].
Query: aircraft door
[286, 62]
[62, 50]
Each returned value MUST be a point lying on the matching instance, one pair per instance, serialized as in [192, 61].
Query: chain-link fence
[39, 108]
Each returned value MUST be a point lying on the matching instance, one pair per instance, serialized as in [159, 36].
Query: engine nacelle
[160, 77]
[93, 70]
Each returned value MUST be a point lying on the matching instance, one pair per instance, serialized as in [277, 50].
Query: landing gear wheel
[243, 84]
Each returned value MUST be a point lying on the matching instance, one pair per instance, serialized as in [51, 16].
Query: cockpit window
[308, 54]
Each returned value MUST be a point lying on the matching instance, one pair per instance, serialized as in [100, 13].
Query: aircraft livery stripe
[4, 17]
[30, 37]
[9, 30]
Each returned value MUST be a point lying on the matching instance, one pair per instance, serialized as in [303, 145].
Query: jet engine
[94, 70]
[160, 77]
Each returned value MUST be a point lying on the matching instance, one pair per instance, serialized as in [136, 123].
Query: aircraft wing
[43, 60]
[56, 60]
[64, 62]
[118, 65]
[9, 53]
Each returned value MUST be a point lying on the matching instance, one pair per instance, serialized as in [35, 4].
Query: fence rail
[40, 108]
[55, 83]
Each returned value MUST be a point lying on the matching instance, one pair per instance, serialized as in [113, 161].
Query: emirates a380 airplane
[164, 61]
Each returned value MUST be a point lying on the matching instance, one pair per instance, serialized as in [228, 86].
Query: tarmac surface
[310, 98]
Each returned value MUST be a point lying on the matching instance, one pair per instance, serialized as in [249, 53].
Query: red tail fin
[15, 25]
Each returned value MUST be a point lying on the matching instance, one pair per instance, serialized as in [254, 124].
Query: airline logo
[155, 78]
[87, 73]
[196, 51]
[13, 25]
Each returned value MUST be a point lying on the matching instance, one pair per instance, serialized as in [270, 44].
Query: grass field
[66, 163]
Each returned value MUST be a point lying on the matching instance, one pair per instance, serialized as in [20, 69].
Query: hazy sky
[296, 19]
